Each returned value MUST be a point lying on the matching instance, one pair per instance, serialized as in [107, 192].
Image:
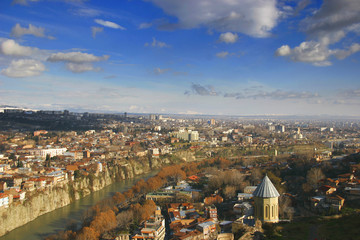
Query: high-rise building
[187, 135]
[280, 128]
[266, 200]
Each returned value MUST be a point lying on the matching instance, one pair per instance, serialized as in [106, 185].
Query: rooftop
[266, 189]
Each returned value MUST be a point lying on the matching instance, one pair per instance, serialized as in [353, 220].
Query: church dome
[266, 189]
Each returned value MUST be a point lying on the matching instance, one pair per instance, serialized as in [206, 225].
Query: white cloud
[81, 67]
[76, 57]
[86, 12]
[252, 17]
[18, 31]
[222, 54]
[145, 25]
[228, 37]
[328, 25]
[315, 52]
[11, 48]
[156, 43]
[23, 2]
[133, 107]
[341, 54]
[24, 68]
[159, 71]
[78, 62]
[283, 51]
[96, 30]
[189, 112]
[109, 24]
[26, 2]
[305, 52]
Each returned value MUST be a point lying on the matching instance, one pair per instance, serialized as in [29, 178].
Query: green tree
[47, 161]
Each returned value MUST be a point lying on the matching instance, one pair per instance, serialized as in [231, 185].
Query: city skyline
[209, 57]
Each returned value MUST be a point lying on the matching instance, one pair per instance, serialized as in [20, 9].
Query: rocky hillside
[41, 202]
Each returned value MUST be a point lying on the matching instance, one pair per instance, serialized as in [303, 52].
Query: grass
[345, 227]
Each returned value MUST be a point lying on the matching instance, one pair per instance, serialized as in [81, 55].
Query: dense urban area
[217, 177]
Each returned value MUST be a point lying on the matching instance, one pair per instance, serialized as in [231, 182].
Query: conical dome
[266, 189]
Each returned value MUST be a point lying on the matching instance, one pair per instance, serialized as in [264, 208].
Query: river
[58, 219]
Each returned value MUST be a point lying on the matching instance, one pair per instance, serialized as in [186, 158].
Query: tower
[266, 200]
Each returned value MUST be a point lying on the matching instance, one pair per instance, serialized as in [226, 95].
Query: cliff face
[41, 202]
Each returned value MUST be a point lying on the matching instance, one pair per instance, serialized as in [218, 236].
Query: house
[3, 186]
[4, 200]
[249, 189]
[16, 194]
[336, 202]
[194, 178]
[326, 190]
[154, 228]
[207, 228]
[244, 208]
[179, 211]
[211, 212]
[72, 167]
[352, 193]
[28, 186]
[244, 196]
[190, 235]
[213, 199]
[225, 236]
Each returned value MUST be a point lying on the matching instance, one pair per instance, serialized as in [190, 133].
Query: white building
[4, 200]
[187, 135]
[48, 151]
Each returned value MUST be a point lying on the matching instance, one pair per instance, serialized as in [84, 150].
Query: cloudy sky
[238, 57]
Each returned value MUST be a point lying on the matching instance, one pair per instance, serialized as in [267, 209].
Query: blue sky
[238, 57]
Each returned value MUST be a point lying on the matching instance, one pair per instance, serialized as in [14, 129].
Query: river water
[59, 219]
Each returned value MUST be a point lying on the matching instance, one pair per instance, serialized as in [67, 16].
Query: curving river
[59, 219]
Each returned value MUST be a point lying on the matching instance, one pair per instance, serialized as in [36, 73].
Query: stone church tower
[266, 200]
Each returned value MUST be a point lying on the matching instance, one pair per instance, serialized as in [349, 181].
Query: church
[266, 200]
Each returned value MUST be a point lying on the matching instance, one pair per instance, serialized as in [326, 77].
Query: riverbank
[71, 214]
[50, 199]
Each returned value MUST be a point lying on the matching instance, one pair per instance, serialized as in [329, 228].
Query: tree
[118, 198]
[229, 192]
[124, 219]
[256, 175]
[77, 174]
[129, 194]
[104, 221]
[313, 177]
[20, 164]
[87, 233]
[12, 156]
[48, 161]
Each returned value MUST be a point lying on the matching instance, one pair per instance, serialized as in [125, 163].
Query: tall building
[266, 200]
[187, 135]
[280, 128]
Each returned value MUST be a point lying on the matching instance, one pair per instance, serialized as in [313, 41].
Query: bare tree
[229, 192]
[256, 175]
[124, 219]
[313, 177]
